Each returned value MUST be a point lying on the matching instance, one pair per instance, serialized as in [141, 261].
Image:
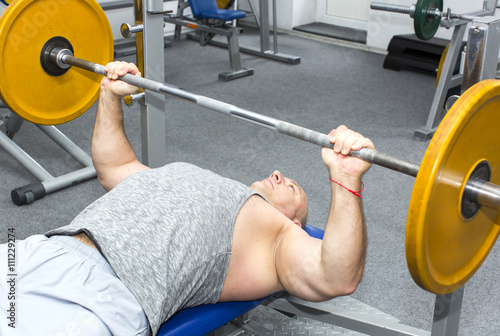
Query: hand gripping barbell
[453, 218]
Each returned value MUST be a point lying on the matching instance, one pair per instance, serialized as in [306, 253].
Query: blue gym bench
[230, 318]
[209, 20]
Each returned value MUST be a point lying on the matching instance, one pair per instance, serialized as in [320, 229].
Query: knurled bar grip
[391, 7]
[283, 127]
[366, 154]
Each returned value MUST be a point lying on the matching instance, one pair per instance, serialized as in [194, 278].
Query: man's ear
[296, 221]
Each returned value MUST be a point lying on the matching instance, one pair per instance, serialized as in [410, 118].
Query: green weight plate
[426, 26]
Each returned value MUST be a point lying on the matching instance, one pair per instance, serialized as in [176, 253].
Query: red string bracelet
[357, 193]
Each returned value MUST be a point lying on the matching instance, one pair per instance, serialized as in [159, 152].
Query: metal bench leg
[447, 313]
[234, 59]
[240, 326]
[48, 183]
[13, 125]
[181, 5]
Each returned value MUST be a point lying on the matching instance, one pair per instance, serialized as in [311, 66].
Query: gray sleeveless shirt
[167, 234]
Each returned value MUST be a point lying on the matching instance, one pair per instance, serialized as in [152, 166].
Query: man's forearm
[344, 244]
[110, 146]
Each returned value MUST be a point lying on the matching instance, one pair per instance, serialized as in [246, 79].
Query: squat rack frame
[482, 58]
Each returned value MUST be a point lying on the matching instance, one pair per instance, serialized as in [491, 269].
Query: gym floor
[335, 83]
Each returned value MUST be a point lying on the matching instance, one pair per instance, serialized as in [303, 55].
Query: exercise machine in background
[261, 17]
[209, 20]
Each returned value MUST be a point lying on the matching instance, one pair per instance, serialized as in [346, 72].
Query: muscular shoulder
[252, 271]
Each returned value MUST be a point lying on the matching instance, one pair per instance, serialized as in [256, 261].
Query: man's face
[285, 195]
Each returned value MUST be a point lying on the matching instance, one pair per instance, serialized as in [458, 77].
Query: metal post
[264, 25]
[153, 111]
[446, 81]
[490, 6]
[481, 57]
[275, 27]
[447, 313]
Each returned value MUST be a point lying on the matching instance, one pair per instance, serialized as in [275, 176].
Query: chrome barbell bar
[482, 192]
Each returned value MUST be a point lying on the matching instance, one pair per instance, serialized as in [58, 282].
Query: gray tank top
[167, 234]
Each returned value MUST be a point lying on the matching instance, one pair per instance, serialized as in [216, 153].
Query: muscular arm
[344, 244]
[113, 156]
[319, 270]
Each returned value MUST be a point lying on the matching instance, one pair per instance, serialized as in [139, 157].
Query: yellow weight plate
[225, 4]
[456, 68]
[443, 249]
[25, 87]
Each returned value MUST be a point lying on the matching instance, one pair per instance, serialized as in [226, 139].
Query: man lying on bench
[180, 236]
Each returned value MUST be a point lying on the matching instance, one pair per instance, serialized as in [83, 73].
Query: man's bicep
[111, 176]
[298, 261]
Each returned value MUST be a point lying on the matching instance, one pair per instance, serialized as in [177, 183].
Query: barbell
[453, 219]
[426, 14]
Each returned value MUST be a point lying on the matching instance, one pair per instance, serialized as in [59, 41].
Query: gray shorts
[64, 287]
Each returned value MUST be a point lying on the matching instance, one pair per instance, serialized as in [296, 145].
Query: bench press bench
[345, 312]
[201, 320]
